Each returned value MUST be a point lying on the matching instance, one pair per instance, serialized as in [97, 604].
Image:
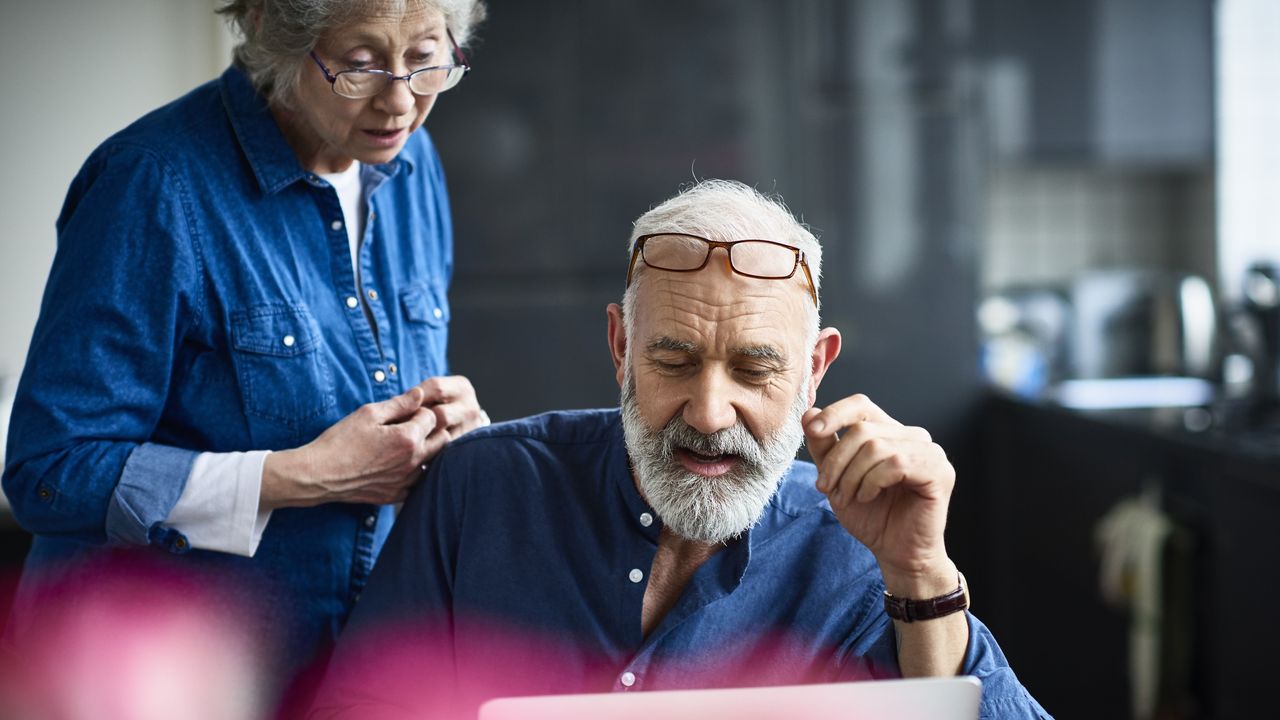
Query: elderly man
[677, 543]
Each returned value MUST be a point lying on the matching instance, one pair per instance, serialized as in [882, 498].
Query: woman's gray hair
[276, 35]
[727, 210]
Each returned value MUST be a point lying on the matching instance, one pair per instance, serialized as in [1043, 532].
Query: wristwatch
[908, 610]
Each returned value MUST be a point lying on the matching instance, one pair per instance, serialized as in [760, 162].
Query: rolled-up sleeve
[146, 493]
[83, 462]
[1003, 695]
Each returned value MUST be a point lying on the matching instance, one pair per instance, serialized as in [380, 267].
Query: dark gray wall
[582, 114]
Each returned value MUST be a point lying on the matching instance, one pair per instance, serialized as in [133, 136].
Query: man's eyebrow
[671, 344]
[768, 353]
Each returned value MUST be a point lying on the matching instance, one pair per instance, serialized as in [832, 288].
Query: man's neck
[675, 562]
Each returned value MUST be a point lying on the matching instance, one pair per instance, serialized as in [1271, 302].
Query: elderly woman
[240, 358]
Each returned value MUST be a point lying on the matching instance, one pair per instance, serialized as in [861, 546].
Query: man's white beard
[709, 509]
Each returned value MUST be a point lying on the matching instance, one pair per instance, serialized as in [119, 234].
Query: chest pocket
[426, 311]
[283, 375]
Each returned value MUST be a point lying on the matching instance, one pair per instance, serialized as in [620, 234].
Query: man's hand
[374, 455]
[889, 485]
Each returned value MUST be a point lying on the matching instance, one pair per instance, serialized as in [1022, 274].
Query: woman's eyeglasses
[360, 84]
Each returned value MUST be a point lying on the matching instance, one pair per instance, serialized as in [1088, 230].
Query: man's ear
[617, 339]
[825, 352]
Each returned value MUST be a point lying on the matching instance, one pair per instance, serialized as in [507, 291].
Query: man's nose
[709, 408]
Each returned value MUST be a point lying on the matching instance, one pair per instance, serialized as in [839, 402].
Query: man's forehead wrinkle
[737, 305]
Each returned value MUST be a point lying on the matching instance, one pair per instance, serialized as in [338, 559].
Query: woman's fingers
[397, 408]
[446, 388]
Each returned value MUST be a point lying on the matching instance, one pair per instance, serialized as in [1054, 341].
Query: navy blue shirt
[521, 564]
[190, 246]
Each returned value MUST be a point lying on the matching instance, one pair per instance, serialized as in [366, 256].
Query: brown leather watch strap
[908, 610]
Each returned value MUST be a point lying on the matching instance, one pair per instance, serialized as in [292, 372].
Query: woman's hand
[374, 455]
[454, 402]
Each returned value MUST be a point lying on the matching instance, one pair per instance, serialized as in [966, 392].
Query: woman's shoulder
[174, 132]
[420, 151]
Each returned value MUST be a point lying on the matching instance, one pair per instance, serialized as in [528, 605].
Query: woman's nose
[396, 98]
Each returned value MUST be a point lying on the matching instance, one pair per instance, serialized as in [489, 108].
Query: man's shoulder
[797, 493]
[563, 429]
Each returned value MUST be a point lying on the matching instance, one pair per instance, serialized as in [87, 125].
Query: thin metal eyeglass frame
[638, 252]
[332, 77]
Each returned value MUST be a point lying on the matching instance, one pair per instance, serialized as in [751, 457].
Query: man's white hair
[726, 210]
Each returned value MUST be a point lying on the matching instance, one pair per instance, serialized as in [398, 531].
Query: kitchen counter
[1047, 476]
[1216, 430]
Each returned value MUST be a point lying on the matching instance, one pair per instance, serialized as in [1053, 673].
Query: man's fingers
[850, 445]
[845, 412]
[819, 444]
[881, 464]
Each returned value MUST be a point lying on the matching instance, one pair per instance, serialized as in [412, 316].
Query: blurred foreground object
[133, 642]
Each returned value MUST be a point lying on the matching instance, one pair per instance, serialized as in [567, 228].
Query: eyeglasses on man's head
[681, 252]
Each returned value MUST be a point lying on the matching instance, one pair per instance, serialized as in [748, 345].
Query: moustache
[735, 440]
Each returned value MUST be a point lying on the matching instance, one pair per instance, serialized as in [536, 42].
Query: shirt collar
[272, 160]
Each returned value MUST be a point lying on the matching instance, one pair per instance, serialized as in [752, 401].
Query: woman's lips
[384, 138]
[704, 465]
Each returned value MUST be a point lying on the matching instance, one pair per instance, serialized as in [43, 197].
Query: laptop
[953, 698]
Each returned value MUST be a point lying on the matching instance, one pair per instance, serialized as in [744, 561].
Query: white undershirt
[218, 508]
[351, 197]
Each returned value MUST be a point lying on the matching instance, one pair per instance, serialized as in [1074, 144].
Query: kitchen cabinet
[1047, 476]
[1124, 82]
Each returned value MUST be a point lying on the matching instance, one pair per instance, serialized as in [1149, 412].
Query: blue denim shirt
[530, 536]
[190, 246]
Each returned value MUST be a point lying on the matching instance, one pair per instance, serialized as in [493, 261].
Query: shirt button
[371, 521]
[288, 341]
[352, 302]
[336, 225]
[391, 368]
[438, 313]
[635, 575]
[646, 519]
[372, 214]
[627, 679]
[180, 543]
[373, 294]
[379, 376]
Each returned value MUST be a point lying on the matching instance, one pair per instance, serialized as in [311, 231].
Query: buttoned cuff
[153, 479]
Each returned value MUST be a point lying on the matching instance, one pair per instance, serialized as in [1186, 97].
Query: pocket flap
[279, 330]
[426, 304]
